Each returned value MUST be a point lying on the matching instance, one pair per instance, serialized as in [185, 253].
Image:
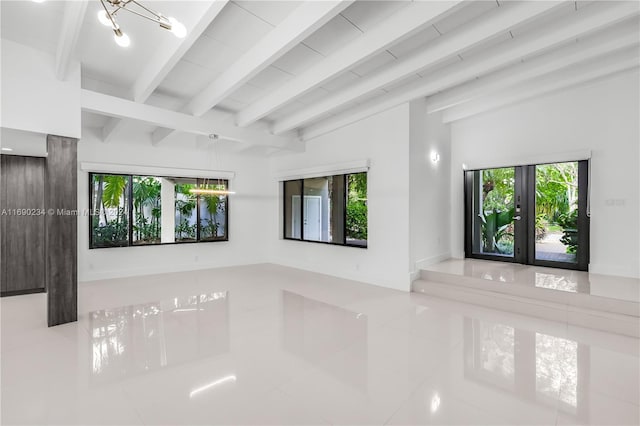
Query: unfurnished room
[317, 212]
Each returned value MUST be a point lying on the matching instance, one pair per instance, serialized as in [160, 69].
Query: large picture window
[131, 210]
[328, 209]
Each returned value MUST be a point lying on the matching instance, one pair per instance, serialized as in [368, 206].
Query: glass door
[533, 214]
[560, 225]
[494, 203]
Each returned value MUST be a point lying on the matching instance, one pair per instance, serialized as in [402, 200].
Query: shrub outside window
[132, 210]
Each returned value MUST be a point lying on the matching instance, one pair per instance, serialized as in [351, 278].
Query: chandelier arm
[155, 19]
[117, 9]
[159, 16]
[113, 22]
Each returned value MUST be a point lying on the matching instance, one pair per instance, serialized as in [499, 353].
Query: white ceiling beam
[301, 23]
[581, 22]
[196, 18]
[541, 86]
[70, 27]
[440, 49]
[511, 76]
[115, 107]
[399, 26]
[256, 135]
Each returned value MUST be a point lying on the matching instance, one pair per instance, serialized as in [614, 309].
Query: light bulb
[177, 28]
[122, 40]
[104, 19]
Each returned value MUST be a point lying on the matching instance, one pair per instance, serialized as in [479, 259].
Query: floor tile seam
[308, 371]
[615, 398]
[129, 403]
[386, 322]
[315, 414]
[33, 343]
[294, 399]
[416, 388]
[423, 381]
[555, 410]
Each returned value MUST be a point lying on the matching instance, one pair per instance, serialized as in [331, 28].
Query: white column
[168, 202]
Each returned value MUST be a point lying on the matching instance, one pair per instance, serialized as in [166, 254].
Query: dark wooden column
[62, 251]
[22, 225]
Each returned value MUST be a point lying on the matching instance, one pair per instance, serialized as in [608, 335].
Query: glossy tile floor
[619, 288]
[270, 345]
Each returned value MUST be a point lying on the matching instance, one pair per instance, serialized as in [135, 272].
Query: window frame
[525, 184]
[129, 205]
[345, 196]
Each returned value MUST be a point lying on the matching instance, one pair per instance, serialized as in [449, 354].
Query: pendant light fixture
[107, 17]
[203, 187]
[205, 191]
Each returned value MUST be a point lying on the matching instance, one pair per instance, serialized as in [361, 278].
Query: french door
[533, 214]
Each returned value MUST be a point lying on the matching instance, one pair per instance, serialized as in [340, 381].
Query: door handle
[517, 217]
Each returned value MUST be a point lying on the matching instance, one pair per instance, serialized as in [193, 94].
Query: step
[579, 298]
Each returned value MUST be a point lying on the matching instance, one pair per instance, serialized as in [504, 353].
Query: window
[147, 212]
[109, 210]
[328, 209]
[131, 210]
[212, 210]
[186, 215]
[531, 214]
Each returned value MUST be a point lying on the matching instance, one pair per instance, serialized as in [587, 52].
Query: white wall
[247, 218]
[20, 142]
[33, 99]
[384, 140]
[429, 187]
[602, 116]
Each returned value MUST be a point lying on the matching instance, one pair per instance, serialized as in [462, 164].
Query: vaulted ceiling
[298, 69]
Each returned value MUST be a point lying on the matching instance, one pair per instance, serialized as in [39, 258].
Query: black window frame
[345, 195]
[129, 204]
[524, 249]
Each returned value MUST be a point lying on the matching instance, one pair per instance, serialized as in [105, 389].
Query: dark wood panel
[22, 224]
[62, 252]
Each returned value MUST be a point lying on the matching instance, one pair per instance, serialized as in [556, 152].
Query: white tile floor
[271, 345]
[606, 286]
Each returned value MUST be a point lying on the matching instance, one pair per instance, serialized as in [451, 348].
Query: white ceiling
[242, 24]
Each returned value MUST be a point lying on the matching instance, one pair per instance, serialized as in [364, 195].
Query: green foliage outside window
[185, 206]
[569, 224]
[109, 219]
[147, 209]
[357, 210]
[497, 210]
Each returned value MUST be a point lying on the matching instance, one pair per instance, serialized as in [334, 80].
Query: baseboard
[401, 284]
[22, 292]
[422, 263]
[158, 269]
[618, 271]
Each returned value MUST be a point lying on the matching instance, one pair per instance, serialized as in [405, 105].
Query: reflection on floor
[604, 302]
[610, 287]
[272, 345]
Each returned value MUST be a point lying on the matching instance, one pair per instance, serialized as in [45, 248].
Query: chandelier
[111, 8]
